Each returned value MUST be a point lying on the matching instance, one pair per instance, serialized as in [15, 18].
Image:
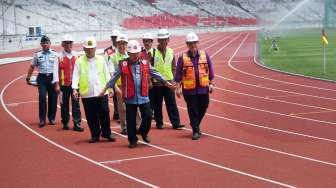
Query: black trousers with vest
[146, 120]
[45, 87]
[197, 106]
[98, 116]
[75, 108]
[160, 93]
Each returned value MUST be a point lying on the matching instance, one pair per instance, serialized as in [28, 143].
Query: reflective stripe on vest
[127, 86]
[84, 73]
[115, 59]
[65, 69]
[164, 67]
[188, 71]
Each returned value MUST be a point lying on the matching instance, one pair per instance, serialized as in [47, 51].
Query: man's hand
[179, 92]
[57, 88]
[171, 86]
[75, 94]
[211, 88]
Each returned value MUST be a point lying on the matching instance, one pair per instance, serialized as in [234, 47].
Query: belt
[46, 74]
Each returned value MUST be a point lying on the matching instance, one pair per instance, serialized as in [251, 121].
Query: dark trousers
[146, 120]
[76, 114]
[45, 87]
[151, 96]
[98, 116]
[197, 106]
[115, 105]
[160, 93]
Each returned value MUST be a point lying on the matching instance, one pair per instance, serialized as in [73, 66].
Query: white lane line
[260, 147]
[19, 103]
[281, 96]
[279, 81]
[320, 122]
[135, 158]
[62, 147]
[270, 98]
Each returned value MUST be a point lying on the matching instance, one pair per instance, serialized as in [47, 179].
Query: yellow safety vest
[164, 67]
[115, 58]
[84, 73]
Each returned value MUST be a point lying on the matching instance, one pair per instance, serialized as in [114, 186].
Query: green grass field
[301, 52]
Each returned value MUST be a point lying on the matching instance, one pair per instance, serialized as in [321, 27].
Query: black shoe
[42, 124]
[132, 144]
[146, 139]
[65, 126]
[116, 116]
[195, 136]
[94, 140]
[159, 126]
[78, 128]
[178, 127]
[110, 138]
[123, 132]
[52, 122]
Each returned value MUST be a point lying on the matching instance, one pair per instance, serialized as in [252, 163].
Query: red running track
[262, 129]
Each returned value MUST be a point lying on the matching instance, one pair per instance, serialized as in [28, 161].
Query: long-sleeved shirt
[45, 61]
[136, 73]
[94, 82]
[194, 60]
[55, 69]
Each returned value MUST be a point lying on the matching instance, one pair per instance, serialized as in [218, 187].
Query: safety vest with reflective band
[65, 69]
[189, 75]
[115, 59]
[127, 80]
[84, 73]
[164, 67]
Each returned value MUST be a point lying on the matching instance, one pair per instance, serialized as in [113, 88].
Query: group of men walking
[138, 78]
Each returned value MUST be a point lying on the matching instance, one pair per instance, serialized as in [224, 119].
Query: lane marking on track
[279, 81]
[280, 96]
[62, 147]
[135, 158]
[19, 103]
[305, 113]
[260, 147]
[154, 146]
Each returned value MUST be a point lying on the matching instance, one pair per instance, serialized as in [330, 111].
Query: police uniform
[45, 61]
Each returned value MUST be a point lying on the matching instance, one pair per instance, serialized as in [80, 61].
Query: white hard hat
[148, 36]
[115, 33]
[90, 42]
[133, 46]
[163, 34]
[122, 37]
[192, 37]
[67, 37]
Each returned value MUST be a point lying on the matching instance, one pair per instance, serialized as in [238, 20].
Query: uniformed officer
[45, 60]
[63, 71]
[89, 77]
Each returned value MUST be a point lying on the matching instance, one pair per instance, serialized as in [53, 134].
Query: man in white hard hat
[134, 73]
[108, 52]
[148, 53]
[90, 77]
[164, 63]
[119, 55]
[44, 60]
[194, 73]
[63, 71]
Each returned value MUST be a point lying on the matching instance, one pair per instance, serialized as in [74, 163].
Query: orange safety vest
[127, 81]
[65, 70]
[189, 75]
